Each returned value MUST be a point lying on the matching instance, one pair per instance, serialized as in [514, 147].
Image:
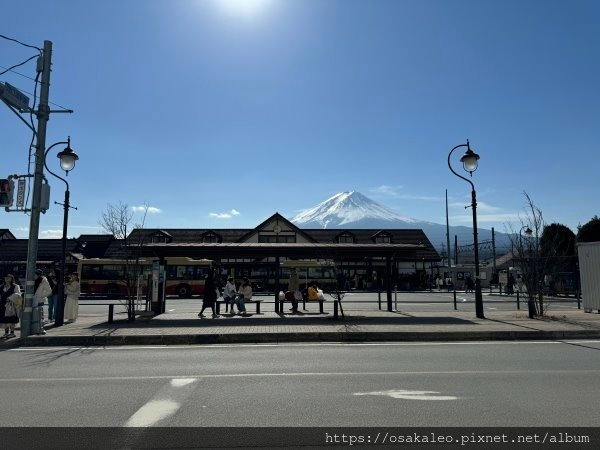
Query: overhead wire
[19, 42]
[20, 64]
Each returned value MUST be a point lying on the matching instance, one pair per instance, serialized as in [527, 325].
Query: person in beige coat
[72, 291]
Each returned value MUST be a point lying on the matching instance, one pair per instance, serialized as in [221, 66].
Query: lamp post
[67, 162]
[469, 160]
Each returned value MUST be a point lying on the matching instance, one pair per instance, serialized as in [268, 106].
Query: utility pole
[448, 231]
[494, 249]
[30, 312]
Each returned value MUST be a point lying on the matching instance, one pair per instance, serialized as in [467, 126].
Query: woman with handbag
[10, 294]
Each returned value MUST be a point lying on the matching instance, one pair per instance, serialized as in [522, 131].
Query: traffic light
[6, 192]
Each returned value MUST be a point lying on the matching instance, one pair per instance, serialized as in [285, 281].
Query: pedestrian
[510, 290]
[53, 280]
[210, 296]
[469, 285]
[41, 291]
[519, 284]
[294, 288]
[449, 283]
[10, 294]
[439, 282]
[72, 291]
[229, 294]
[244, 294]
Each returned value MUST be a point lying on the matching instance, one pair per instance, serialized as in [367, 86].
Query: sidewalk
[356, 326]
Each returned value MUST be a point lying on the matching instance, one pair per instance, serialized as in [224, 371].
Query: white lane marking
[300, 344]
[410, 395]
[179, 382]
[165, 403]
[306, 374]
[152, 412]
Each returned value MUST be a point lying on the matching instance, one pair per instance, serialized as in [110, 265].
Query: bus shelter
[276, 251]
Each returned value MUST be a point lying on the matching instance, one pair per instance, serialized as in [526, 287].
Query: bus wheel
[184, 291]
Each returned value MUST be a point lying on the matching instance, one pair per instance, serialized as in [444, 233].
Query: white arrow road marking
[410, 395]
[165, 403]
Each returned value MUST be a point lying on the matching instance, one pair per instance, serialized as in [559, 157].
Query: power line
[19, 42]
[20, 64]
[18, 73]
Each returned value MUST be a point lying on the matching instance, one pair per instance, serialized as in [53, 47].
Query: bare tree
[538, 250]
[117, 220]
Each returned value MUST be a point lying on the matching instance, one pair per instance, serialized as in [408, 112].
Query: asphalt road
[396, 384]
[406, 301]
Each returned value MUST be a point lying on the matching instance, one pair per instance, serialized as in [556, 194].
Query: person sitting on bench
[230, 293]
[244, 294]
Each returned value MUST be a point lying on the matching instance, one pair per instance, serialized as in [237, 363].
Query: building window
[159, 239]
[277, 238]
[345, 239]
[210, 239]
[383, 239]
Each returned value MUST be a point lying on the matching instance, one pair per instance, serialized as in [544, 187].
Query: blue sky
[217, 113]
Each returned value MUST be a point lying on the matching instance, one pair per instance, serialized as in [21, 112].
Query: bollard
[500, 289]
[379, 299]
[335, 309]
[455, 300]
[518, 302]
[578, 300]
[396, 297]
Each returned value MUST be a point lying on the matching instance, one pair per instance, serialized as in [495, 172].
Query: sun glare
[243, 7]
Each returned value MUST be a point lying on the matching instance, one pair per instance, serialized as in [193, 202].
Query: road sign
[21, 193]
[14, 97]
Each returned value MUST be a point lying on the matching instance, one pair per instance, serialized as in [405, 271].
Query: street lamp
[67, 163]
[470, 160]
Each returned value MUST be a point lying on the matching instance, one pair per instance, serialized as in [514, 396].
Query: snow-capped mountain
[351, 210]
[354, 210]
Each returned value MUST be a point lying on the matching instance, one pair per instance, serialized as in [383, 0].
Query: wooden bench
[281, 302]
[227, 305]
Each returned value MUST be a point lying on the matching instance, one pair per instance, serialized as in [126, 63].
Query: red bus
[184, 276]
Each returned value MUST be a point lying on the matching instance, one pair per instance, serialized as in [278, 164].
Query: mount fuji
[349, 210]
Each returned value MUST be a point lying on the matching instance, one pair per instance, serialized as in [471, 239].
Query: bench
[221, 300]
[281, 302]
[110, 303]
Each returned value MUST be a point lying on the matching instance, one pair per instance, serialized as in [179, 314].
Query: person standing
[210, 296]
[72, 291]
[53, 280]
[294, 288]
[9, 295]
[42, 290]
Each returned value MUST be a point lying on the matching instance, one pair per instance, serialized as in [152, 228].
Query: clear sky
[217, 113]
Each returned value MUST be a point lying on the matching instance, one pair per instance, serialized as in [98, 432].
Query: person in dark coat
[210, 296]
[9, 292]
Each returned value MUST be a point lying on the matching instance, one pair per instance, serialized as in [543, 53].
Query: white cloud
[394, 191]
[51, 234]
[481, 207]
[486, 218]
[225, 215]
[151, 209]
[384, 189]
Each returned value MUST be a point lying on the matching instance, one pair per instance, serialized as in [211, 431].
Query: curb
[270, 338]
